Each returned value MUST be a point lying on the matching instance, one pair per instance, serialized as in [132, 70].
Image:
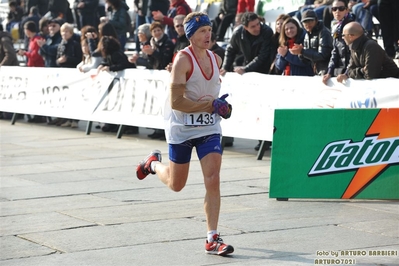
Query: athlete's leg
[173, 175]
[210, 165]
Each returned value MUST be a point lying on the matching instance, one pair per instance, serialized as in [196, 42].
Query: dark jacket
[318, 45]
[228, 7]
[57, 7]
[8, 56]
[370, 61]
[258, 56]
[42, 5]
[49, 50]
[73, 52]
[143, 59]
[89, 7]
[181, 43]
[298, 67]
[161, 5]
[340, 53]
[117, 61]
[119, 19]
[163, 53]
[218, 50]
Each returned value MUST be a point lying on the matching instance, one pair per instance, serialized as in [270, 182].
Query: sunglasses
[340, 8]
[178, 25]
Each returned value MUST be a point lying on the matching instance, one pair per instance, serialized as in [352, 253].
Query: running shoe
[143, 169]
[217, 247]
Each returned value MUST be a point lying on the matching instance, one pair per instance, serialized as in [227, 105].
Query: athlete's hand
[222, 107]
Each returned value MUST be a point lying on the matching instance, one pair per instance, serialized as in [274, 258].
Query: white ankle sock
[152, 165]
[211, 234]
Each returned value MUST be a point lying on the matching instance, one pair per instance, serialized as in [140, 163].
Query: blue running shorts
[181, 153]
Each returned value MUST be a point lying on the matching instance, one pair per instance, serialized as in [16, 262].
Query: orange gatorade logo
[376, 152]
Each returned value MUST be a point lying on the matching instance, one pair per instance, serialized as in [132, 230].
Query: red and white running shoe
[217, 247]
[143, 169]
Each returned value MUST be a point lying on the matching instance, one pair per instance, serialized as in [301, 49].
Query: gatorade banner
[335, 153]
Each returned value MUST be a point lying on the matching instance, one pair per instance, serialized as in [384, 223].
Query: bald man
[368, 59]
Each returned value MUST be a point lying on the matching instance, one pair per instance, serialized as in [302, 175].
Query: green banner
[335, 153]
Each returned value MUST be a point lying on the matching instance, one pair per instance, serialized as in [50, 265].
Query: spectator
[363, 15]
[34, 59]
[43, 27]
[90, 60]
[119, 19]
[90, 34]
[215, 47]
[319, 6]
[141, 8]
[291, 64]
[14, 16]
[177, 7]
[368, 60]
[308, 4]
[160, 54]
[144, 36]
[32, 54]
[159, 5]
[58, 9]
[389, 21]
[340, 54]
[69, 54]
[182, 41]
[41, 5]
[253, 40]
[245, 6]
[32, 16]
[85, 10]
[227, 13]
[48, 48]
[275, 40]
[317, 45]
[8, 56]
[160, 50]
[104, 29]
[114, 60]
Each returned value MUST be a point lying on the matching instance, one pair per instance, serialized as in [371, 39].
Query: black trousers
[389, 21]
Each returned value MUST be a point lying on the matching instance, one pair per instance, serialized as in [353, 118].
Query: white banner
[137, 97]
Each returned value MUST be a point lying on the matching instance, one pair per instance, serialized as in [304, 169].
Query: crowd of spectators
[312, 40]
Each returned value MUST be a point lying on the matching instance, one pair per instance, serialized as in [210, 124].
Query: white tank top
[198, 88]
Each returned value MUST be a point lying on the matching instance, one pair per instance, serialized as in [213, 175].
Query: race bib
[199, 119]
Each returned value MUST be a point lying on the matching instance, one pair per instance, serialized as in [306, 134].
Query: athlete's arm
[180, 69]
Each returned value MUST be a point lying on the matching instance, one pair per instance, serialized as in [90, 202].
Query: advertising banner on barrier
[137, 97]
[336, 153]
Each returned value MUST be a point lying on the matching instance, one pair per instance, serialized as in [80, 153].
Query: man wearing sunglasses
[368, 59]
[318, 43]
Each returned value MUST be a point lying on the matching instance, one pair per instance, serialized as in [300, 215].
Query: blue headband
[191, 26]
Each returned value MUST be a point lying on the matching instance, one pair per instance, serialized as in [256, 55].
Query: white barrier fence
[137, 97]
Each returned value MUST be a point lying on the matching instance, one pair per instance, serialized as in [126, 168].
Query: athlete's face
[202, 37]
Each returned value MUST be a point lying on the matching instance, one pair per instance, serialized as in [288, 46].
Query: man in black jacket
[318, 43]
[254, 40]
[368, 59]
